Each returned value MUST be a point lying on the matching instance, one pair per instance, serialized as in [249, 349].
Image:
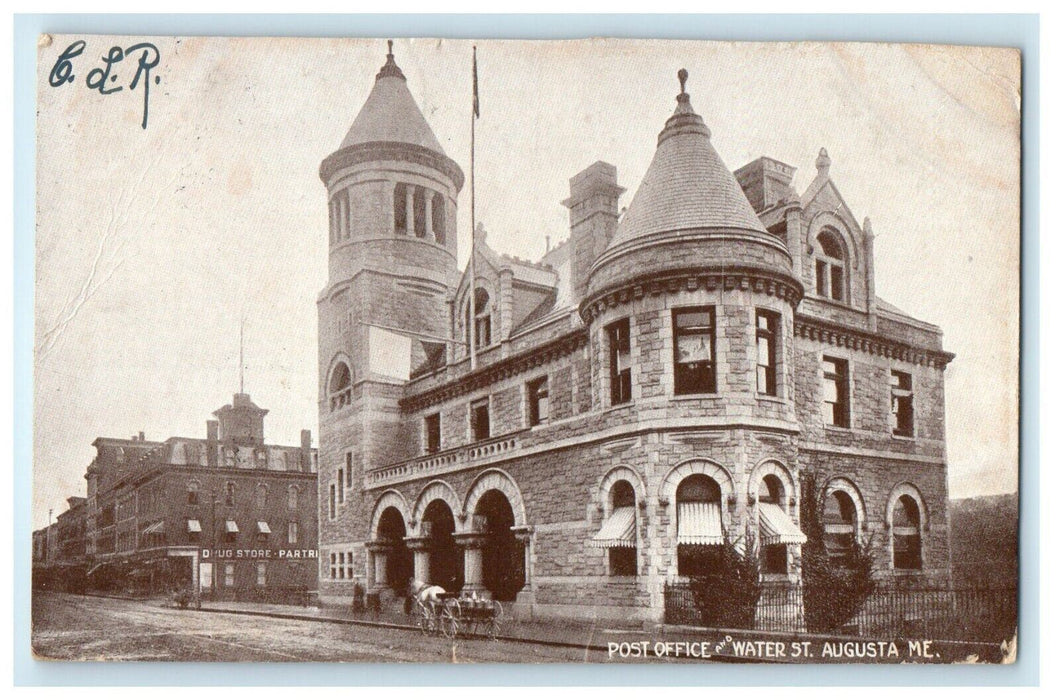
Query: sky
[153, 242]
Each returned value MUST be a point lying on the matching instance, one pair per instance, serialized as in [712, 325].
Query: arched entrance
[446, 557]
[398, 557]
[503, 560]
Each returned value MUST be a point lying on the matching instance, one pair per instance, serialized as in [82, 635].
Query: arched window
[699, 528]
[831, 266]
[773, 556]
[340, 387]
[438, 217]
[840, 526]
[292, 497]
[622, 557]
[480, 321]
[193, 493]
[905, 534]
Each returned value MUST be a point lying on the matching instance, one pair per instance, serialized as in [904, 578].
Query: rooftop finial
[682, 75]
[823, 161]
[390, 69]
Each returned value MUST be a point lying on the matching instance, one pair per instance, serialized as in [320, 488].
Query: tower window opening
[621, 371]
[766, 323]
[438, 217]
[340, 390]
[481, 321]
[694, 351]
[905, 531]
[401, 211]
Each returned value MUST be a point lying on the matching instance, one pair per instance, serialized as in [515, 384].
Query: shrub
[833, 591]
[725, 585]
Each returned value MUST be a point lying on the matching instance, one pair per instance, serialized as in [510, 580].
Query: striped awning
[194, 526]
[618, 530]
[230, 526]
[156, 528]
[699, 523]
[776, 527]
[263, 528]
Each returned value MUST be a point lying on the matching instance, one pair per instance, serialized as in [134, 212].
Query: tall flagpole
[241, 322]
[471, 320]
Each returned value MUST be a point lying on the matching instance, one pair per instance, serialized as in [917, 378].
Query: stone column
[472, 544]
[375, 573]
[525, 598]
[410, 211]
[428, 227]
[421, 558]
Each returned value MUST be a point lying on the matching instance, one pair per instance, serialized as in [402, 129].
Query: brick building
[229, 515]
[665, 377]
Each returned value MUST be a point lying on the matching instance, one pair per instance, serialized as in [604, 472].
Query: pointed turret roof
[687, 185]
[390, 114]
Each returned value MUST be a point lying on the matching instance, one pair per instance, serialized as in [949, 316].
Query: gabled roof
[687, 185]
[390, 114]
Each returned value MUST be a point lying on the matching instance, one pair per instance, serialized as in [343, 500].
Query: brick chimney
[307, 448]
[765, 182]
[211, 443]
[593, 205]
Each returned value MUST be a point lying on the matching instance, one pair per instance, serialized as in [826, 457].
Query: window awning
[263, 528]
[776, 527]
[699, 523]
[230, 526]
[155, 529]
[194, 526]
[618, 530]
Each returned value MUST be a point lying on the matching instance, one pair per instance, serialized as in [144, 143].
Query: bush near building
[725, 585]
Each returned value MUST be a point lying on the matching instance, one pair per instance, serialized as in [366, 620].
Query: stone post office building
[667, 376]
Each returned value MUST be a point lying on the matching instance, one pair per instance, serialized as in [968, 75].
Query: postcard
[607, 351]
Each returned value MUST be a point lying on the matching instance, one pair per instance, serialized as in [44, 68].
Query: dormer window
[340, 389]
[481, 320]
[831, 266]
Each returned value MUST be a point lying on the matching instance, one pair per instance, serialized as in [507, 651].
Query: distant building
[229, 515]
[665, 378]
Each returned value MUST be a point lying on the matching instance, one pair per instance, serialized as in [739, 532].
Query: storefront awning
[618, 530]
[230, 526]
[194, 526]
[263, 528]
[155, 529]
[776, 527]
[699, 523]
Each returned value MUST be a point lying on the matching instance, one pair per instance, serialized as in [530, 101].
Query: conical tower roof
[687, 186]
[390, 114]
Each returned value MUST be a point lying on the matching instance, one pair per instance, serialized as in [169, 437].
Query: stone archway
[503, 571]
[391, 532]
[445, 565]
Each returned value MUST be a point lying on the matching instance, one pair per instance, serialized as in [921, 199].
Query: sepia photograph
[611, 351]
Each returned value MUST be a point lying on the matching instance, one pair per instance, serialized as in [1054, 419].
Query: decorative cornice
[761, 281]
[499, 371]
[390, 150]
[872, 343]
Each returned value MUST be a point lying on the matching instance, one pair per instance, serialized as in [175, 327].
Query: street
[70, 627]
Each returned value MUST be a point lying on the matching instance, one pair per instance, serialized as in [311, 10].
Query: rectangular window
[342, 565]
[193, 495]
[400, 207]
[901, 403]
[419, 209]
[837, 282]
[621, 372]
[230, 574]
[694, 351]
[349, 565]
[332, 573]
[292, 533]
[342, 486]
[836, 406]
[292, 498]
[230, 494]
[261, 573]
[432, 428]
[331, 501]
[766, 339]
[480, 419]
[349, 470]
[537, 394]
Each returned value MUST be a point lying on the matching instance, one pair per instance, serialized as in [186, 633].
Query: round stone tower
[392, 203]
